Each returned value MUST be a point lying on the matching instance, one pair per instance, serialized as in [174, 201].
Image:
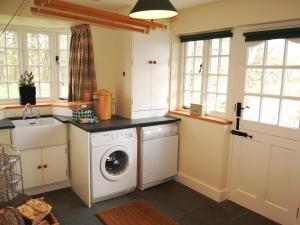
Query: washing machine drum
[115, 163]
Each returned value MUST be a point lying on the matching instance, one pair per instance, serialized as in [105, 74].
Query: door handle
[45, 166]
[239, 109]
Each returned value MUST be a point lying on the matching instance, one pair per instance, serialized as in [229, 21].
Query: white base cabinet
[43, 166]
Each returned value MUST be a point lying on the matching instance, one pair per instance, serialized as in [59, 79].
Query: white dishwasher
[158, 154]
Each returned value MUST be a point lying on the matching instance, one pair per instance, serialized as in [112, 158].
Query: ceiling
[115, 5]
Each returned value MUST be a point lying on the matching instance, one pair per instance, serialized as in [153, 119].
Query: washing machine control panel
[111, 137]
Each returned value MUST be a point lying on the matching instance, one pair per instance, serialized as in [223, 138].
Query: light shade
[153, 9]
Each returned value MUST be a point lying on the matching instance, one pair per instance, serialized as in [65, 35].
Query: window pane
[64, 74]
[224, 65]
[44, 58]
[63, 42]
[292, 82]
[256, 54]
[35, 72]
[214, 47]
[199, 48]
[63, 58]
[221, 103]
[44, 74]
[253, 81]
[225, 46]
[43, 41]
[64, 90]
[290, 114]
[251, 113]
[293, 53]
[33, 57]
[196, 97]
[2, 41]
[189, 65]
[12, 57]
[213, 65]
[275, 52]
[188, 82]
[3, 91]
[11, 39]
[45, 90]
[269, 110]
[13, 90]
[272, 81]
[187, 99]
[211, 102]
[3, 75]
[190, 48]
[222, 84]
[2, 56]
[197, 83]
[212, 83]
[32, 42]
[198, 65]
[13, 73]
[37, 89]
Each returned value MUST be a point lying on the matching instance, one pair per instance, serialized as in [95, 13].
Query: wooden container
[104, 104]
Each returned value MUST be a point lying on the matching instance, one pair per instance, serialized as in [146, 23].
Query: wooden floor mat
[135, 213]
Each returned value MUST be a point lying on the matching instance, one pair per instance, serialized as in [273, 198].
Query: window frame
[205, 74]
[53, 51]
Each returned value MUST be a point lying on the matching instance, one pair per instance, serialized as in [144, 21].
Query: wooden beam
[85, 19]
[88, 11]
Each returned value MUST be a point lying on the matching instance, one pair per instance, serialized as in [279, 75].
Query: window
[63, 67]
[34, 50]
[206, 64]
[272, 84]
[9, 65]
[38, 56]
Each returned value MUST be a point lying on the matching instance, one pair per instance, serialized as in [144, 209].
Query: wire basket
[11, 184]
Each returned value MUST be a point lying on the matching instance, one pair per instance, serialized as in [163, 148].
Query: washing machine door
[115, 163]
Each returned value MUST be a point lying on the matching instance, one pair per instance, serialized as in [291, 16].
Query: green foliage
[26, 80]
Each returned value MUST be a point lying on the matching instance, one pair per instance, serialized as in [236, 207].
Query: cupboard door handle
[150, 62]
[39, 167]
[45, 166]
[154, 62]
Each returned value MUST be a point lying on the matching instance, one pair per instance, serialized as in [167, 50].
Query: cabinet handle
[150, 62]
[45, 166]
[154, 62]
[39, 167]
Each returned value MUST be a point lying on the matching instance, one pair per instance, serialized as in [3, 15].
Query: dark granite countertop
[6, 124]
[118, 122]
[115, 123]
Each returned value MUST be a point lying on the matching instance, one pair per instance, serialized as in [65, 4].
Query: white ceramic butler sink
[38, 133]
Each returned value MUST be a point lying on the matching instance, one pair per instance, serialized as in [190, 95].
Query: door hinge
[297, 215]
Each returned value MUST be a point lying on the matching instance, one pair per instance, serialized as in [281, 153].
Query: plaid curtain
[82, 79]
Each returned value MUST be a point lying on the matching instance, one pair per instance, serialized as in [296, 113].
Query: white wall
[205, 147]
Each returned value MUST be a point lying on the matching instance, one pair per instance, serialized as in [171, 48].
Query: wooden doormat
[135, 213]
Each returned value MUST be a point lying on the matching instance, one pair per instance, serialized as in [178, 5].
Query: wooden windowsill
[204, 118]
[51, 104]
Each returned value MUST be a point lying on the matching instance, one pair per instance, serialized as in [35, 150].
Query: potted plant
[27, 89]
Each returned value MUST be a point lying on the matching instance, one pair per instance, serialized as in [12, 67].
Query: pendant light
[153, 9]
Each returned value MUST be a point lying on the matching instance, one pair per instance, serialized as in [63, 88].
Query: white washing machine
[113, 163]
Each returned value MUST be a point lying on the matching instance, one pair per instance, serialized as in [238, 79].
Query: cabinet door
[31, 160]
[54, 164]
[160, 84]
[141, 88]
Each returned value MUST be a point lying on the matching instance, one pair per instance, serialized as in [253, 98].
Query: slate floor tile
[184, 205]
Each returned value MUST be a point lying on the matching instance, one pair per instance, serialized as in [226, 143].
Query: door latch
[239, 109]
[241, 134]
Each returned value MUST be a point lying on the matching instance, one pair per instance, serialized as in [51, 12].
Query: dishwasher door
[159, 155]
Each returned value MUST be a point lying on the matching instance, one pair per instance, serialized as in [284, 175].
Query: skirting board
[47, 188]
[207, 190]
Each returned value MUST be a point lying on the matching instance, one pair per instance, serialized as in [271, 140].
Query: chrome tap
[28, 113]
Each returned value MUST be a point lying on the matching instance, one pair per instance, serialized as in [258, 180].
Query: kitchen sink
[38, 133]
